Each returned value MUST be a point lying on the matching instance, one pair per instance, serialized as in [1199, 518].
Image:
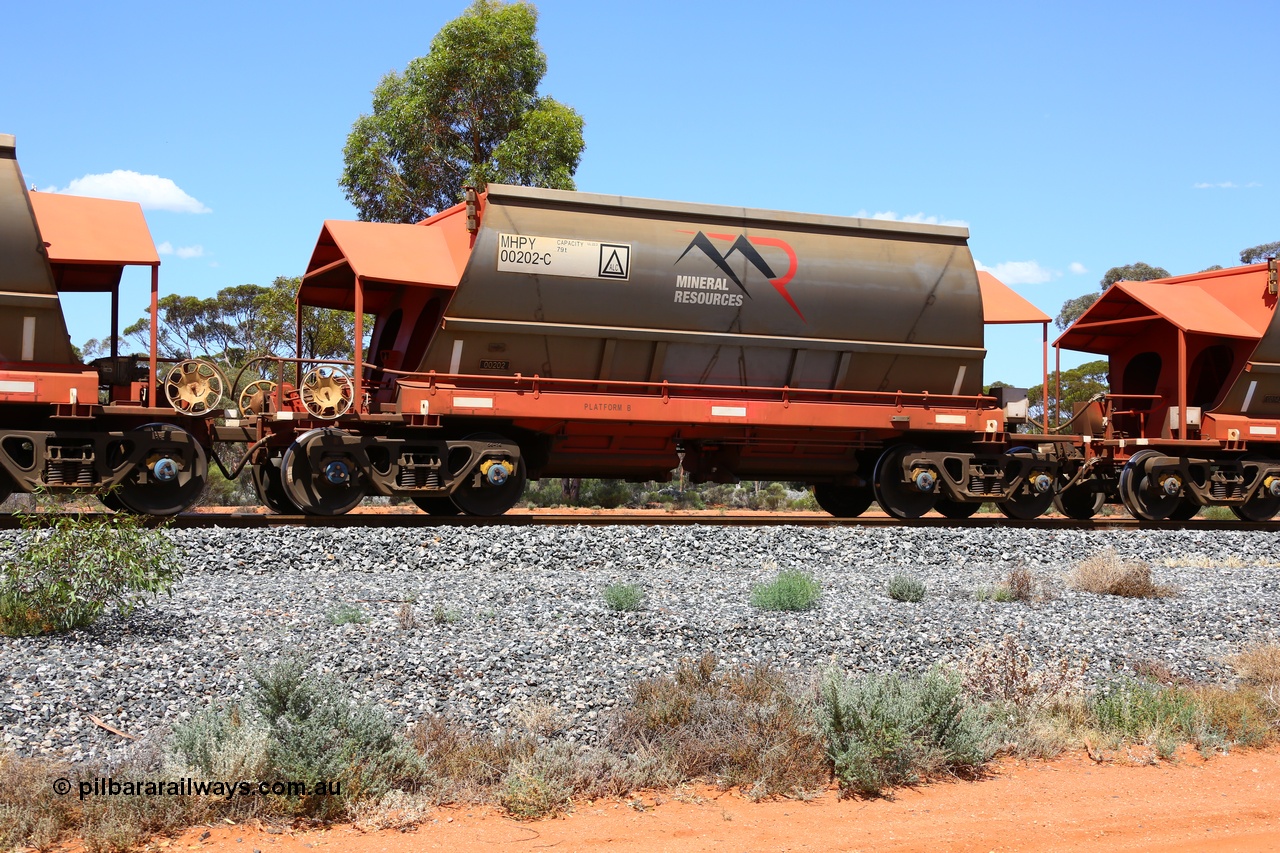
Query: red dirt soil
[1229, 803]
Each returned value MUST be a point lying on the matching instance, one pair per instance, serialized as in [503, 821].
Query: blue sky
[1068, 137]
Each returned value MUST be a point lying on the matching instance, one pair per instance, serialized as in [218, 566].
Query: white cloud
[166, 248]
[151, 191]
[920, 218]
[1019, 272]
[1226, 185]
[1077, 268]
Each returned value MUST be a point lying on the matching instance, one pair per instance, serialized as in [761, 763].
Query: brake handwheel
[194, 387]
[256, 396]
[327, 392]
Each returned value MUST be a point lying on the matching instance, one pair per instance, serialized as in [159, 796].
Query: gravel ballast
[511, 616]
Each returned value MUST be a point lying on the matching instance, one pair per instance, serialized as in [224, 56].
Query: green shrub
[67, 575]
[299, 727]
[1139, 710]
[788, 591]
[886, 730]
[624, 597]
[908, 588]
[346, 614]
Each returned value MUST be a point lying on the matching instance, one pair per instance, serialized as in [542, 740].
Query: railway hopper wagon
[111, 427]
[1193, 414]
[531, 333]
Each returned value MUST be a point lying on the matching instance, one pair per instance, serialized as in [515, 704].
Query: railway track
[255, 520]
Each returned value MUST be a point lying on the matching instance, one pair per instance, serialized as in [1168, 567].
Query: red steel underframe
[544, 400]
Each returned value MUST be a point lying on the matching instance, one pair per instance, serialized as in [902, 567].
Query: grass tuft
[442, 615]
[906, 588]
[346, 614]
[788, 591]
[624, 597]
[1106, 574]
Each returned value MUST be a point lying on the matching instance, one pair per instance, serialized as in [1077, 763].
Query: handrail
[665, 389]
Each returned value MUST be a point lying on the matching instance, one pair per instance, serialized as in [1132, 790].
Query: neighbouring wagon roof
[1000, 304]
[81, 230]
[1209, 304]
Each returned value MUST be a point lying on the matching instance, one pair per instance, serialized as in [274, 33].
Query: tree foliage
[1073, 308]
[1132, 272]
[466, 114]
[244, 322]
[1078, 385]
[1258, 254]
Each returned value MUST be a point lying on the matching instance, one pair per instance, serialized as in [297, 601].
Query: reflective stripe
[728, 411]
[456, 362]
[28, 338]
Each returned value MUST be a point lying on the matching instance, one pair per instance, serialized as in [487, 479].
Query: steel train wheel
[336, 489]
[437, 506]
[269, 486]
[488, 499]
[1185, 511]
[111, 500]
[843, 501]
[897, 495]
[1079, 502]
[161, 485]
[1026, 503]
[1264, 505]
[956, 510]
[1137, 491]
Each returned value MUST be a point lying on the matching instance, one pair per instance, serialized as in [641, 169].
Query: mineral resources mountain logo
[714, 290]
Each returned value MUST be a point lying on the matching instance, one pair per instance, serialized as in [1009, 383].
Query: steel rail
[258, 520]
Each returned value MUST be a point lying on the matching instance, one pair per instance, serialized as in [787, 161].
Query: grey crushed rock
[532, 625]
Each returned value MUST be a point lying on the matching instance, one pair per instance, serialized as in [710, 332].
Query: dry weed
[397, 810]
[1105, 573]
[1004, 672]
[1159, 672]
[406, 617]
[1258, 664]
[739, 728]
[31, 815]
[540, 718]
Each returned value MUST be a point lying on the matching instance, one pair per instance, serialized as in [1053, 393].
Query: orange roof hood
[429, 254]
[81, 230]
[1000, 304]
